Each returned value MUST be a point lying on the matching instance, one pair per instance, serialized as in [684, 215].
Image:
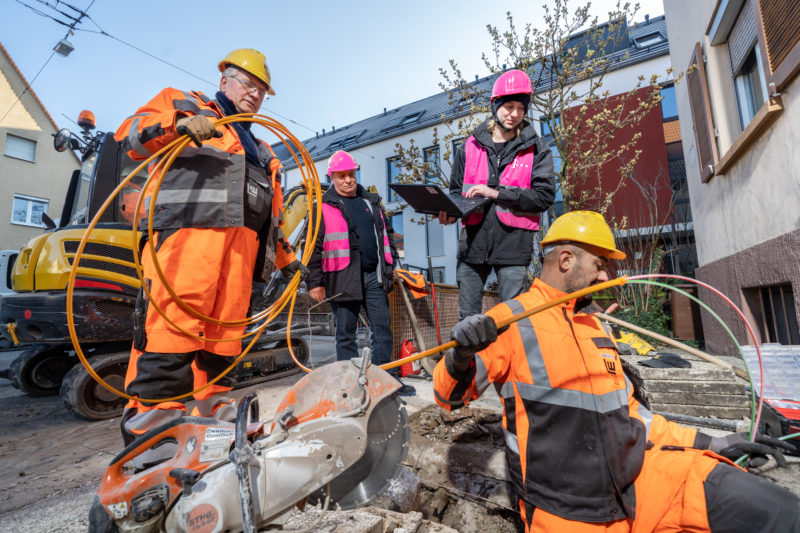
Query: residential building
[642, 50]
[33, 176]
[739, 111]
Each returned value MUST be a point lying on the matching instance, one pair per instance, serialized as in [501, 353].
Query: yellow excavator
[106, 286]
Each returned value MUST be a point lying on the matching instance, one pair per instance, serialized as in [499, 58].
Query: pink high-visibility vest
[517, 174]
[336, 244]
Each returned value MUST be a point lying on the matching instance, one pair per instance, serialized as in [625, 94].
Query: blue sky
[332, 63]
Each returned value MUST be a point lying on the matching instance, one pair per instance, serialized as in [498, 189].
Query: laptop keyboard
[465, 204]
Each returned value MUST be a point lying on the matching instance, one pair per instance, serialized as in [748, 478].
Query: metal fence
[447, 305]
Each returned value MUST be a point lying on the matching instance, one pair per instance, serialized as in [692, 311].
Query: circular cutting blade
[387, 446]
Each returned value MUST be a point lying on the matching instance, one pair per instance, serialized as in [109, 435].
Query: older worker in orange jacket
[218, 218]
[583, 454]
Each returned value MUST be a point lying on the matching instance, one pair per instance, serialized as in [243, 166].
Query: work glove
[289, 270]
[198, 128]
[472, 334]
[735, 445]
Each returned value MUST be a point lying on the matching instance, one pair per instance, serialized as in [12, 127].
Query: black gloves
[735, 445]
[472, 334]
[289, 270]
[198, 127]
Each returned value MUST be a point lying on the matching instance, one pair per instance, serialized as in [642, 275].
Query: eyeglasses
[249, 87]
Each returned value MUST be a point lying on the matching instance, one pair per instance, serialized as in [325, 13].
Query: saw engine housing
[341, 424]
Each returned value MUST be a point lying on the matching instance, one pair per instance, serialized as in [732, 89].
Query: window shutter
[701, 115]
[742, 38]
[779, 34]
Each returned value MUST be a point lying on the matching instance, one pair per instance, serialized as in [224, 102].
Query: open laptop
[430, 199]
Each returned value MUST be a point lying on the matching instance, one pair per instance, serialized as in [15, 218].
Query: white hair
[229, 71]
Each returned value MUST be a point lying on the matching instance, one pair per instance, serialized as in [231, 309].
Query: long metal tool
[525, 314]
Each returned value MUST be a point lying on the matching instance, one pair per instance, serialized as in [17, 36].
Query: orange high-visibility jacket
[575, 436]
[208, 187]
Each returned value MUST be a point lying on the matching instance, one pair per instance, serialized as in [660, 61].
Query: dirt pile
[459, 459]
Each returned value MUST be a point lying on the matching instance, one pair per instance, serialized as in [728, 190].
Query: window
[751, 89]
[547, 132]
[20, 148]
[745, 58]
[28, 210]
[342, 142]
[466, 102]
[773, 310]
[397, 225]
[392, 173]
[431, 157]
[649, 40]
[434, 236]
[399, 122]
[669, 106]
[358, 175]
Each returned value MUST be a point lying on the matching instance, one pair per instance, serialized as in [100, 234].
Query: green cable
[724, 325]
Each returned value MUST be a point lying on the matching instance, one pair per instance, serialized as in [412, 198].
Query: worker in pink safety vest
[504, 159]
[353, 262]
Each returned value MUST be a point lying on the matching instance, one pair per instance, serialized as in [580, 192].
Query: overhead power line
[100, 31]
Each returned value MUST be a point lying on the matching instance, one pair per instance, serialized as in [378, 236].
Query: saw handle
[247, 412]
[241, 457]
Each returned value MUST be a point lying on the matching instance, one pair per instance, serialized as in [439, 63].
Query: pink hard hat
[341, 161]
[512, 82]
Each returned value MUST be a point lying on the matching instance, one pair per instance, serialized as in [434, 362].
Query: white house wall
[756, 199]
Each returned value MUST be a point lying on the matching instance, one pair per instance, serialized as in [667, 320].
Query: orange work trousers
[211, 270]
[670, 496]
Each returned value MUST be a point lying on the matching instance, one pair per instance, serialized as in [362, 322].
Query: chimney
[647, 18]
[384, 110]
[323, 131]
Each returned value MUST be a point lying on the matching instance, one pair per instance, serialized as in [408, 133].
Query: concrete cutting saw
[340, 432]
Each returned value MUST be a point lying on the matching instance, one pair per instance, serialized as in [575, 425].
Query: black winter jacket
[492, 242]
[348, 281]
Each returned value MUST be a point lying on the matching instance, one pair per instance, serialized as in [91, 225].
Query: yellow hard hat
[586, 227]
[251, 61]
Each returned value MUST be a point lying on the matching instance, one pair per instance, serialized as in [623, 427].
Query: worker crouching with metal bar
[583, 454]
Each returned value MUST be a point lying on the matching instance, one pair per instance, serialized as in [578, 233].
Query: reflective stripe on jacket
[517, 174]
[209, 186]
[575, 436]
[336, 244]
